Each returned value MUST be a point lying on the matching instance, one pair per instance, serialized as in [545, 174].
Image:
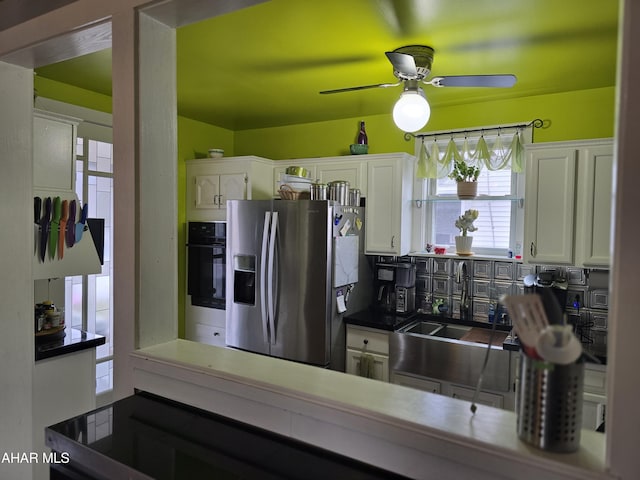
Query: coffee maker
[405, 288]
[385, 287]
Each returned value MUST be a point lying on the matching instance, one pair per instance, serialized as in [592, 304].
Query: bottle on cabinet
[362, 135]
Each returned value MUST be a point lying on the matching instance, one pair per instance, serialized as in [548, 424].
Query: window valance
[439, 151]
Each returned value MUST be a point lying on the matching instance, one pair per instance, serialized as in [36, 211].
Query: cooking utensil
[339, 191]
[557, 344]
[528, 316]
[555, 313]
[54, 227]
[44, 228]
[63, 228]
[81, 221]
[71, 225]
[318, 191]
[297, 171]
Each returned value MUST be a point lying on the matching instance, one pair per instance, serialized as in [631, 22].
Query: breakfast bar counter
[413, 433]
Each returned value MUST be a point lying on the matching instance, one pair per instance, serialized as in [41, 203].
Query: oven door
[206, 270]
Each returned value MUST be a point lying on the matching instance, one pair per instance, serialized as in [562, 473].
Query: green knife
[55, 227]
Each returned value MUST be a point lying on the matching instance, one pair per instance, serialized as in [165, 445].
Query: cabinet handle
[393, 240]
[220, 200]
[365, 341]
[532, 249]
[216, 334]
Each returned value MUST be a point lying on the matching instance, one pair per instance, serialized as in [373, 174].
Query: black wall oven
[206, 263]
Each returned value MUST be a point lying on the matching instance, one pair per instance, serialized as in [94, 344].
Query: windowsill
[502, 258]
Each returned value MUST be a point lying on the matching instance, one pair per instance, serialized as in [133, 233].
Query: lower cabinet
[492, 399]
[380, 364]
[367, 341]
[594, 399]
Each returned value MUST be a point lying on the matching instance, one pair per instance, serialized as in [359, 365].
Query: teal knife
[55, 227]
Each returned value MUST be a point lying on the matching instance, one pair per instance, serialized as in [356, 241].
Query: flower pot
[467, 190]
[463, 245]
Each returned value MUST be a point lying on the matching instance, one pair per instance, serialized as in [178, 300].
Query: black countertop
[145, 436]
[380, 319]
[74, 340]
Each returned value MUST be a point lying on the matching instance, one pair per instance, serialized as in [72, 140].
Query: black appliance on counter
[206, 264]
[395, 287]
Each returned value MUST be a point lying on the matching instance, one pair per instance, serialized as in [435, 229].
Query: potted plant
[466, 177]
[465, 224]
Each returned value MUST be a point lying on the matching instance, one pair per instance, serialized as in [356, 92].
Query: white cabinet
[367, 341]
[54, 140]
[549, 205]
[354, 172]
[593, 206]
[433, 385]
[484, 398]
[388, 205]
[211, 182]
[419, 383]
[568, 203]
[594, 400]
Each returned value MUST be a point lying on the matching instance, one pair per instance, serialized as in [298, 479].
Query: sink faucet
[463, 278]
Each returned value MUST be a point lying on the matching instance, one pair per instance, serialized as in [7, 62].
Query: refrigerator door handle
[271, 280]
[263, 276]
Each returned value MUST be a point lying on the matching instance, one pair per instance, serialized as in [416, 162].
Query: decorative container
[463, 245]
[467, 190]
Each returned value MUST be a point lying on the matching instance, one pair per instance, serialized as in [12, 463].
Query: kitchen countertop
[145, 436]
[74, 340]
[380, 319]
[415, 433]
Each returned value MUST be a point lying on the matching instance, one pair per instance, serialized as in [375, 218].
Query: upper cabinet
[568, 203]
[56, 254]
[211, 182]
[54, 140]
[388, 205]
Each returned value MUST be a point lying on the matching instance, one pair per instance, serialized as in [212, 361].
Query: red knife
[63, 227]
[54, 227]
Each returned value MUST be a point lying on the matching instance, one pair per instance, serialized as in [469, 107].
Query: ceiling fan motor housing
[423, 58]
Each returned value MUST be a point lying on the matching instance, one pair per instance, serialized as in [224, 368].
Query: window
[500, 212]
[91, 296]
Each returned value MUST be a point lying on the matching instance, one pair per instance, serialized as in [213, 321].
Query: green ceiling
[264, 66]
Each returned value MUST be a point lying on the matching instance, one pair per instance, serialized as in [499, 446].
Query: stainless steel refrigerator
[292, 270]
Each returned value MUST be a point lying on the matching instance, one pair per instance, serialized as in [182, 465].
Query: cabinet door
[549, 205]
[380, 364]
[388, 212]
[206, 191]
[593, 410]
[594, 197]
[484, 398]
[53, 154]
[232, 187]
[352, 172]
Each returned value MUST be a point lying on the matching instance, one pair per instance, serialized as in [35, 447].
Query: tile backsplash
[586, 303]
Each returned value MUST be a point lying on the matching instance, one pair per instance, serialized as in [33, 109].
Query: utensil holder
[549, 404]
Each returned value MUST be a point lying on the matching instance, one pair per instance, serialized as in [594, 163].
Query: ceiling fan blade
[403, 63]
[500, 81]
[362, 87]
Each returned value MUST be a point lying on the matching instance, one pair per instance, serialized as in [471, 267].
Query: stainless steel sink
[435, 350]
[455, 332]
[423, 328]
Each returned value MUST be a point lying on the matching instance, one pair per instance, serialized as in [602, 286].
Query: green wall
[568, 116]
[574, 115]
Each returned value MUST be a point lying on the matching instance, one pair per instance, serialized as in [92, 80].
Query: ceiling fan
[411, 65]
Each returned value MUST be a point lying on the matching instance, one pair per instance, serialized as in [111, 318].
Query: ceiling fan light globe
[411, 112]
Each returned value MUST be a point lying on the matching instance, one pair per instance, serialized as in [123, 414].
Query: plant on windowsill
[466, 177]
[465, 224]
